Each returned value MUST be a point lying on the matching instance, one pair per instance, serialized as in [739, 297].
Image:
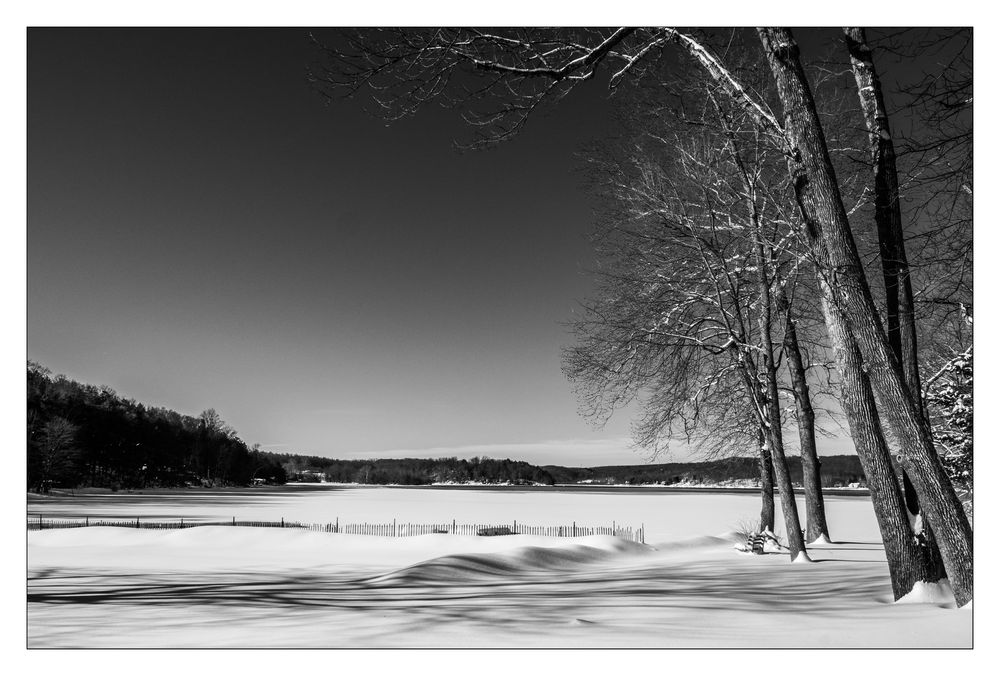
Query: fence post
[136, 522]
[234, 520]
[452, 526]
[40, 526]
[336, 525]
[393, 528]
[642, 533]
[282, 522]
[574, 529]
[514, 529]
[87, 520]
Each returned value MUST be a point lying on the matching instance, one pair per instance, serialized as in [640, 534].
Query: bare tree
[763, 259]
[213, 422]
[817, 528]
[901, 328]
[54, 452]
[905, 556]
[688, 311]
[933, 125]
[523, 69]
[901, 323]
[829, 232]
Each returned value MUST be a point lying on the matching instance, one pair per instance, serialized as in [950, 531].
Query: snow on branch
[499, 77]
[723, 77]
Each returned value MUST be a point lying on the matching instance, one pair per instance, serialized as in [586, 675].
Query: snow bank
[552, 557]
[229, 548]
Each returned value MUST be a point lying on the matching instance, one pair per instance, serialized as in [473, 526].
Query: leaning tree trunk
[766, 484]
[816, 526]
[829, 233]
[901, 329]
[903, 554]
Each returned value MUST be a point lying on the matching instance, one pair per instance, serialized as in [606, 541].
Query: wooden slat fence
[394, 529]
[48, 524]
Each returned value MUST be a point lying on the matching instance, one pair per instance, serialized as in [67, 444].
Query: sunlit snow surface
[252, 587]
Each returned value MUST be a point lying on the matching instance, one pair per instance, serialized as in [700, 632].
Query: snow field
[256, 587]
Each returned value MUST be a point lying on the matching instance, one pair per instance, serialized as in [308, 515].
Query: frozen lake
[666, 513]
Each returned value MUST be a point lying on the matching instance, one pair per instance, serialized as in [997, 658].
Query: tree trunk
[901, 329]
[902, 552]
[766, 484]
[829, 234]
[816, 526]
[789, 508]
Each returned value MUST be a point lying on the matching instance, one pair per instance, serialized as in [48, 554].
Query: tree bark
[783, 478]
[766, 485]
[902, 551]
[901, 329]
[829, 234]
[816, 525]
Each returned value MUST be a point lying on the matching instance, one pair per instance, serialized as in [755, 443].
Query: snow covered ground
[667, 513]
[251, 587]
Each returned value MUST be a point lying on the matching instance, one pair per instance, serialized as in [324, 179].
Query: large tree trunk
[816, 526]
[903, 554]
[766, 485]
[829, 234]
[901, 329]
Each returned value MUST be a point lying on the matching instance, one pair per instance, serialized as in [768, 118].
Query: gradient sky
[204, 232]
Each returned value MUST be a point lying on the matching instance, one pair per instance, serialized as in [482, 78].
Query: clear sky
[203, 231]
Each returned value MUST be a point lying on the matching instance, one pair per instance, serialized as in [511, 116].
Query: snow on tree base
[938, 593]
[821, 540]
[802, 558]
[772, 545]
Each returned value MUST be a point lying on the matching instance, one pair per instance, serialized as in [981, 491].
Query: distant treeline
[82, 435]
[837, 470]
[413, 471]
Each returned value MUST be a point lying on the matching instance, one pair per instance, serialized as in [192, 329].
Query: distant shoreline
[583, 488]
[596, 488]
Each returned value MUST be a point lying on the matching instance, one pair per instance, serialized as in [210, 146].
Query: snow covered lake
[666, 513]
[221, 586]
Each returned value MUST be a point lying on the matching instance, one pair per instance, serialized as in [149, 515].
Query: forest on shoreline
[90, 436]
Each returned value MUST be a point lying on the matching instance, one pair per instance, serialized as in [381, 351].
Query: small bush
[499, 530]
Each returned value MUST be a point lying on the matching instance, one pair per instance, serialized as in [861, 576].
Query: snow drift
[247, 587]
